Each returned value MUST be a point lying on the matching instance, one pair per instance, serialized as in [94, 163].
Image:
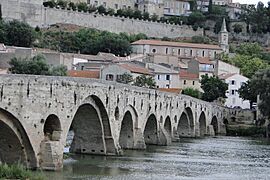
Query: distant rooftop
[176, 44]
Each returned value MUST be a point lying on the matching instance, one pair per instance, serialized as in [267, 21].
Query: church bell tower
[224, 37]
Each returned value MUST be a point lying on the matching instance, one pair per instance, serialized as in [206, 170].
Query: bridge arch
[214, 123]
[151, 130]
[168, 126]
[129, 122]
[14, 142]
[202, 124]
[91, 127]
[52, 125]
[183, 128]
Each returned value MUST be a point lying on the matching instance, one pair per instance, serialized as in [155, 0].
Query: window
[185, 81]
[167, 86]
[168, 77]
[193, 83]
[104, 4]
[109, 77]
[154, 50]
[179, 51]
[233, 82]
[96, 3]
[88, 1]
[158, 77]
[203, 53]
[116, 6]
[190, 52]
[167, 50]
[233, 92]
[82, 67]
[119, 78]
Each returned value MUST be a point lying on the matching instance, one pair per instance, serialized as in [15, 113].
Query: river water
[209, 159]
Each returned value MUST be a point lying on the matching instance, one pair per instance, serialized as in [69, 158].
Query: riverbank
[245, 130]
[18, 171]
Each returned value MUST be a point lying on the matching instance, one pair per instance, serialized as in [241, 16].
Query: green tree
[192, 92]
[60, 70]
[196, 18]
[137, 14]
[19, 34]
[154, 17]
[248, 64]
[261, 82]
[2, 32]
[36, 65]
[101, 9]
[250, 49]
[125, 78]
[237, 28]
[248, 92]
[210, 7]
[82, 6]
[146, 16]
[145, 81]
[213, 88]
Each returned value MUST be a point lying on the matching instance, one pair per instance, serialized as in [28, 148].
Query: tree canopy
[213, 88]
[248, 92]
[261, 82]
[145, 81]
[36, 66]
[192, 92]
[17, 33]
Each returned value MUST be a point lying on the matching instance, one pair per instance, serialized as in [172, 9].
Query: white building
[235, 81]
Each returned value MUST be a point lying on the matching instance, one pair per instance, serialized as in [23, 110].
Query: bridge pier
[51, 156]
[139, 142]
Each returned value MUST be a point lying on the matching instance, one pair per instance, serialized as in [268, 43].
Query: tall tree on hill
[210, 7]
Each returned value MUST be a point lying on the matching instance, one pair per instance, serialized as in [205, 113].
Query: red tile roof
[84, 74]
[136, 69]
[187, 75]
[171, 90]
[176, 44]
[204, 60]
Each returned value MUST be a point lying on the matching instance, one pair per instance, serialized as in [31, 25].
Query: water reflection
[209, 158]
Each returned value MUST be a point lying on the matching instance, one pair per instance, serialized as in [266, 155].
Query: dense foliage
[261, 82]
[36, 65]
[125, 78]
[145, 81]
[16, 33]
[248, 92]
[89, 41]
[213, 88]
[257, 18]
[192, 92]
[249, 58]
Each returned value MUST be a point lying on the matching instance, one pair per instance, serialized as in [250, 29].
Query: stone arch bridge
[37, 112]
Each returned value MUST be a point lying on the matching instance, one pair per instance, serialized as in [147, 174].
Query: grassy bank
[18, 172]
[240, 130]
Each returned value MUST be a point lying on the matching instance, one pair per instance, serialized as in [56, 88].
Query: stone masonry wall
[35, 14]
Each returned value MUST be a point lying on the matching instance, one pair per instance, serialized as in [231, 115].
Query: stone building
[178, 49]
[165, 77]
[176, 7]
[189, 80]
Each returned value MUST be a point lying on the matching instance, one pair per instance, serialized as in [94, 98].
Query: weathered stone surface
[104, 116]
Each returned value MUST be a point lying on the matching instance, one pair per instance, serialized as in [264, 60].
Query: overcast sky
[251, 1]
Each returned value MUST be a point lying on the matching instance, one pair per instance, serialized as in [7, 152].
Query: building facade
[234, 82]
[156, 47]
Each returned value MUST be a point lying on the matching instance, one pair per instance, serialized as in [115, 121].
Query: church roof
[176, 44]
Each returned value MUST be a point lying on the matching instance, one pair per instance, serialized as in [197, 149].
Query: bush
[17, 172]
[192, 92]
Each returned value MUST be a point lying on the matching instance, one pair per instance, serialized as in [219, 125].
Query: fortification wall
[33, 12]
